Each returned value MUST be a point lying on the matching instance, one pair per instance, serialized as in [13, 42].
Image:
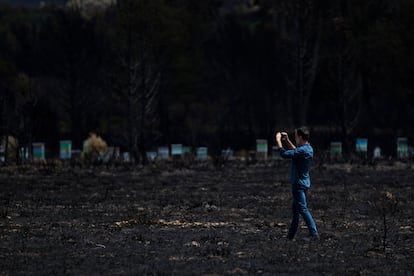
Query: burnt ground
[184, 220]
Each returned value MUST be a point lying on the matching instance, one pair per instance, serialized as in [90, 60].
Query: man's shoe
[290, 238]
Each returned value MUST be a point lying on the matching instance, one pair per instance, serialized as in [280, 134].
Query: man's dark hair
[303, 132]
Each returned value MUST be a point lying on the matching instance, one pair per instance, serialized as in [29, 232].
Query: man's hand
[278, 139]
[278, 136]
[288, 143]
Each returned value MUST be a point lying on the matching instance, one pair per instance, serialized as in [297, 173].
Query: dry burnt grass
[183, 220]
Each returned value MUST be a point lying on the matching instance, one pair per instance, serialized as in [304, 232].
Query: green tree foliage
[72, 65]
[20, 93]
[215, 73]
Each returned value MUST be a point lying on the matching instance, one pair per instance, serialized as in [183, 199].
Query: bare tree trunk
[137, 59]
[309, 74]
[131, 96]
[349, 85]
[304, 35]
[143, 115]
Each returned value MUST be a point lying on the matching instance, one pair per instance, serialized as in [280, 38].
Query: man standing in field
[301, 156]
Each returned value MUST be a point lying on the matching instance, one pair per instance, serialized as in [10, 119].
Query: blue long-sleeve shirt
[301, 162]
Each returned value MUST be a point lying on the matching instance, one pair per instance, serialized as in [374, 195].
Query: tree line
[206, 73]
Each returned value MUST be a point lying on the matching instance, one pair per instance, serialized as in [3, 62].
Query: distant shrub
[95, 147]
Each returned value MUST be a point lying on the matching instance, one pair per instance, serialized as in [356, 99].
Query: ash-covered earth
[196, 219]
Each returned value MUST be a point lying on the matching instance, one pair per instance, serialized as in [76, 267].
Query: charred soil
[166, 219]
